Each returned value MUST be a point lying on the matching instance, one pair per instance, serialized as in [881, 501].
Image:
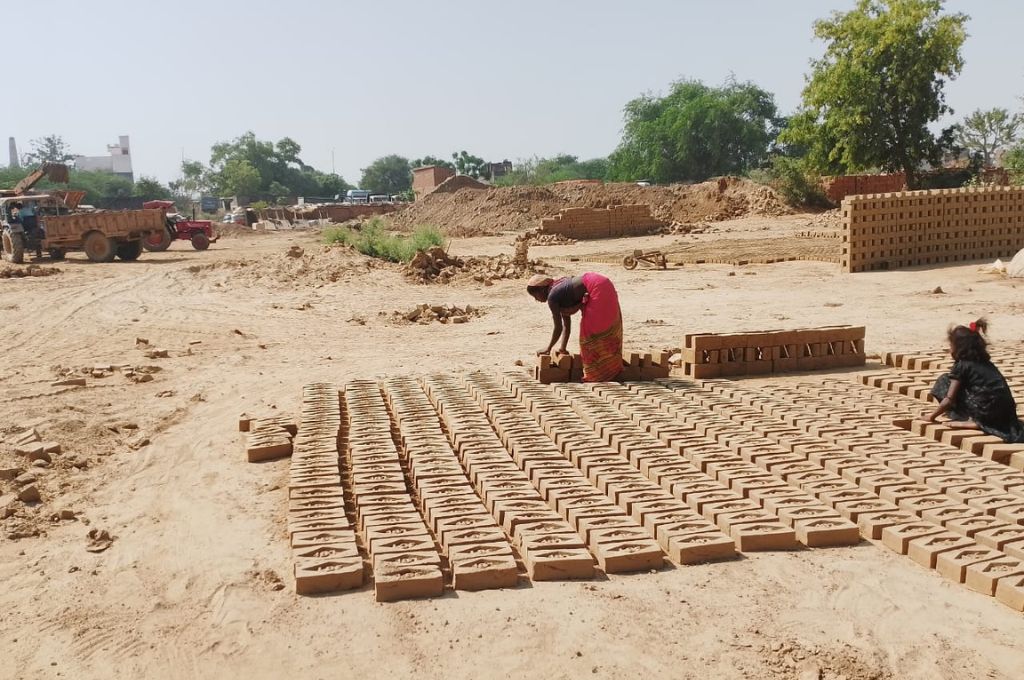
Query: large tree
[695, 132]
[49, 149]
[869, 101]
[431, 160]
[250, 162]
[387, 175]
[986, 132]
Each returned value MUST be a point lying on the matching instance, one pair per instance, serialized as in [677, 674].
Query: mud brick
[475, 511]
[638, 511]
[898, 537]
[402, 583]
[745, 486]
[385, 532]
[998, 537]
[926, 549]
[957, 513]
[551, 541]
[953, 563]
[385, 516]
[312, 538]
[991, 504]
[596, 504]
[921, 504]
[756, 536]
[473, 536]
[792, 514]
[410, 558]
[318, 525]
[984, 577]
[1008, 481]
[587, 524]
[616, 557]
[1013, 514]
[874, 524]
[1010, 591]
[330, 575]
[559, 564]
[844, 495]
[898, 494]
[779, 503]
[875, 483]
[966, 492]
[483, 573]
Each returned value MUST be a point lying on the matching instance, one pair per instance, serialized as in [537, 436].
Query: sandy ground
[192, 585]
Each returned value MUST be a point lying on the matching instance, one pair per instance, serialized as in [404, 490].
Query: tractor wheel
[13, 247]
[200, 241]
[129, 251]
[629, 262]
[157, 241]
[57, 253]
[98, 247]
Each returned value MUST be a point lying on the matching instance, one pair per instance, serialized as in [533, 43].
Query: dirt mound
[427, 314]
[297, 267]
[13, 272]
[473, 212]
[437, 266]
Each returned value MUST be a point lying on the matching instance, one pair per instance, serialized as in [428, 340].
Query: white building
[118, 162]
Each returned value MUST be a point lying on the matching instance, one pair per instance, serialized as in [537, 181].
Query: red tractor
[199, 232]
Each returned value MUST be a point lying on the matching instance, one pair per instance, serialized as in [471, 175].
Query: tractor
[179, 227]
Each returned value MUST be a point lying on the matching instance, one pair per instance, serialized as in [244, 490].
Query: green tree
[239, 177]
[195, 180]
[986, 132]
[695, 132]
[870, 99]
[278, 163]
[387, 175]
[149, 189]
[431, 160]
[559, 168]
[49, 149]
[468, 164]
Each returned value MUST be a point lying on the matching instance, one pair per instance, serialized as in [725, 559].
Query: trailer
[103, 235]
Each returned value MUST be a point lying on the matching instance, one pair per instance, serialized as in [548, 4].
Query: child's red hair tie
[974, 327]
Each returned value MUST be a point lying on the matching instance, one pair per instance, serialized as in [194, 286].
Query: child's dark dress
[983, 397]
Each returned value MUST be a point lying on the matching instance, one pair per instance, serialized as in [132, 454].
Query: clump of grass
[373, 240]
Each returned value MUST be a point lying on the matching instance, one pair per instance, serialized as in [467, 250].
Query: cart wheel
[56, 253]
[129, 251]
[200, 241]
[98, 247]
[629, 262]
[13, 247]
[157, 241]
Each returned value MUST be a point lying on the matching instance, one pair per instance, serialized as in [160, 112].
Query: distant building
[427, 178]
[118, 161]
[496, 170]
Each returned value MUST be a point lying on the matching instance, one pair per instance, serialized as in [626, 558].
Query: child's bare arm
[947, 401]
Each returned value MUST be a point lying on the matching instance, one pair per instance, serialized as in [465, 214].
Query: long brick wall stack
[934, 227]
[713, 355]
[838, 188]
[593, 223]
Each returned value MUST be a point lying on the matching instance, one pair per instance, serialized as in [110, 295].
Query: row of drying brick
[593, 223]
[404, 558]
[712, 355]
[569, 368]
[940, 359]
[958, 532]
[948, 452]
[475, 546]
[744, 488]
[616, 540]
[687, 536]
[550, 546]
[325, 552]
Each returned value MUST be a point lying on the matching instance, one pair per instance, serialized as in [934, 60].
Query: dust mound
[475, 212]
[313, 267]
[437, 266]
[13, 272]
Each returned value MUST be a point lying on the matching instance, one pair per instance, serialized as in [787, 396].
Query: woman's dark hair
[968, 342]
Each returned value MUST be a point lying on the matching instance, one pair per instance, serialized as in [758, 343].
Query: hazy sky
[369, 78]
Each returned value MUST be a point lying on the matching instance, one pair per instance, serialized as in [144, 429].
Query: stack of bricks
[569, 368]
[912, 228]
[266, 438]
[475, 546]
[608, 531]
[710, 355]
[405, 560]
[324, 548]
[595, 223]
[838, 188]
